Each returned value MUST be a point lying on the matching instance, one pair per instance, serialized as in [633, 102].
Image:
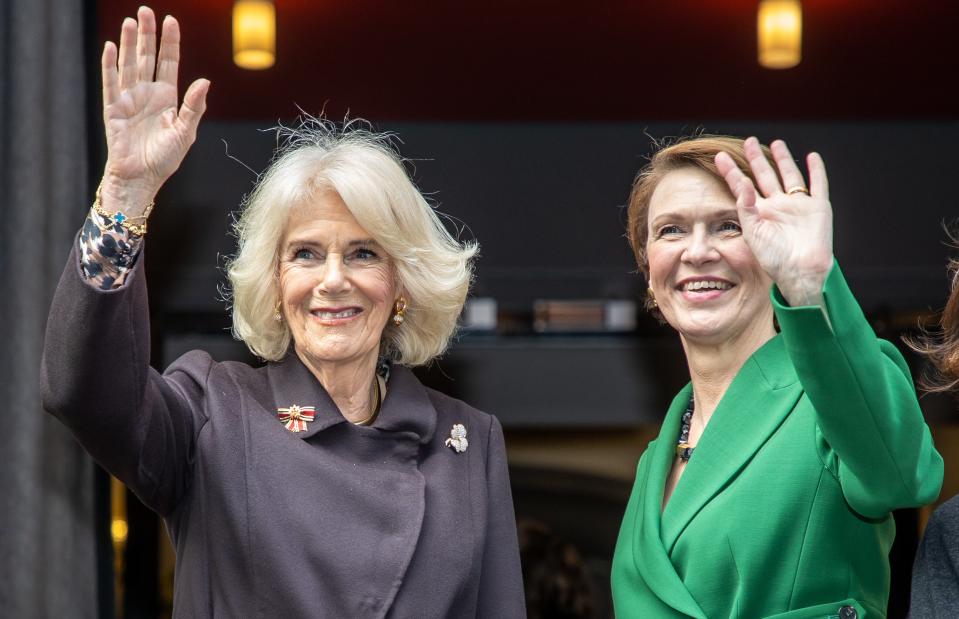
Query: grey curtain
[47, 543]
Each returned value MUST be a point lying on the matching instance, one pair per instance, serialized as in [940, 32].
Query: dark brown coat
[338, 521]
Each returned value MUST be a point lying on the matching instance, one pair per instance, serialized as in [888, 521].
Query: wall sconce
[254, 34]
[119, 530]
[780, 33]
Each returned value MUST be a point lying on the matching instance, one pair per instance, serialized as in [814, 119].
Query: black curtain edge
[95, 158]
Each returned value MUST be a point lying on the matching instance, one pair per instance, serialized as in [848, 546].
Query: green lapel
[649, 555]
[757, 402]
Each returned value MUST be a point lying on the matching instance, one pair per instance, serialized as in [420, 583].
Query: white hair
[362, 167]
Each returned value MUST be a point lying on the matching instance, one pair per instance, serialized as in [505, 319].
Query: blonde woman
[329, 483]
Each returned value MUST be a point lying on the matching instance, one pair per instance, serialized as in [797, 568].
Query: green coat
[783, 509]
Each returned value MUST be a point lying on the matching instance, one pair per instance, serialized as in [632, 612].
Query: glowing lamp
[119, 530]
[780, 33]
[254, 34]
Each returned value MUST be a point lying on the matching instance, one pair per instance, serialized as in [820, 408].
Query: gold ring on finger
[797, 189]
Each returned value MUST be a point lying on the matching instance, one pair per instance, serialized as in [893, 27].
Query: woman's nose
[335, 278]
[700, 248]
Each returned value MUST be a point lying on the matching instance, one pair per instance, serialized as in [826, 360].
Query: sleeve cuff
[108, 253]
[840, 312]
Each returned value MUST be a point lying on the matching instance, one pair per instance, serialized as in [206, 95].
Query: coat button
[848, 612]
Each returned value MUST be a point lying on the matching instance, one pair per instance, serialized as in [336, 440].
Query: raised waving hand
[147, 134]
[787, 226]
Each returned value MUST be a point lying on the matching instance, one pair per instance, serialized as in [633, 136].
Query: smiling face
[337, 285]
[707, 283]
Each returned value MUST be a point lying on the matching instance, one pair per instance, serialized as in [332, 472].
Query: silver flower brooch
[457, 439]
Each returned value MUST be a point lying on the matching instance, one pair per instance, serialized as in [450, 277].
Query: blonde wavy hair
[363, 168]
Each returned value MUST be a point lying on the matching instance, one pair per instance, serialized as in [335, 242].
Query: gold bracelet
[139, 229]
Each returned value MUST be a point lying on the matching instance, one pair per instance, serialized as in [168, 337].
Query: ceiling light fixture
[254, 34]
[779, 27]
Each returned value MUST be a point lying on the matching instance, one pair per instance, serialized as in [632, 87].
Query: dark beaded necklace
[683, 448]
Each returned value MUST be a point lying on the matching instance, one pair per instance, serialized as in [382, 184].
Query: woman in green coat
[769, 489]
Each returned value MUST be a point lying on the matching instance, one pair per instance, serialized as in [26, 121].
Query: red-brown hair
[942, 349]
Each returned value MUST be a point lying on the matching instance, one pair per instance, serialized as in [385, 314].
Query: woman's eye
[670, 229]
[364, 254]
[731, 226]
[303, 254]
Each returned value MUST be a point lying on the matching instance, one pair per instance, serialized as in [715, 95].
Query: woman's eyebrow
[662, 216]
[678, 216]
[304, 242]
[728, 214]
[669, 216]
[308, 242]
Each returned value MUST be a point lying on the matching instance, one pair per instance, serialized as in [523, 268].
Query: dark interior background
[525, 122]
[536, 60]
[545, 201]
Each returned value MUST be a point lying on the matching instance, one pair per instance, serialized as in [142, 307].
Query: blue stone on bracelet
[119, 218]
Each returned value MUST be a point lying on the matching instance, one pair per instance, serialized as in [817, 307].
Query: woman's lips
[701, 289]
[703, 295]
[336, 315]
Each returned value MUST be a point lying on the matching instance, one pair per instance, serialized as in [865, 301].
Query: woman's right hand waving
[147, 136]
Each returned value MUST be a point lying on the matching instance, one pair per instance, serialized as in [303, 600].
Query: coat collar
[756, 403]
[407, 407]
[652, 560]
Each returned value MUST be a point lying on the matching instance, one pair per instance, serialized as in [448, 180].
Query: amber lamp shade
[254, 34]
[780, 33]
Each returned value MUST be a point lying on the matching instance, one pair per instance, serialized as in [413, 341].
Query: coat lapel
[757, 402]
[293, 383]
[651, 559]
[371, 473]
[407, 409]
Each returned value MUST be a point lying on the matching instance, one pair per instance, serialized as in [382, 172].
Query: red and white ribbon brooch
[295, 417]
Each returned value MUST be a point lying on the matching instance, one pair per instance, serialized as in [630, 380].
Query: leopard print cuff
[108, 251]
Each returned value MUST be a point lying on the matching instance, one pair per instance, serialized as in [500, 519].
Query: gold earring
[652, 297]
[399, 311]
[277, 314]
